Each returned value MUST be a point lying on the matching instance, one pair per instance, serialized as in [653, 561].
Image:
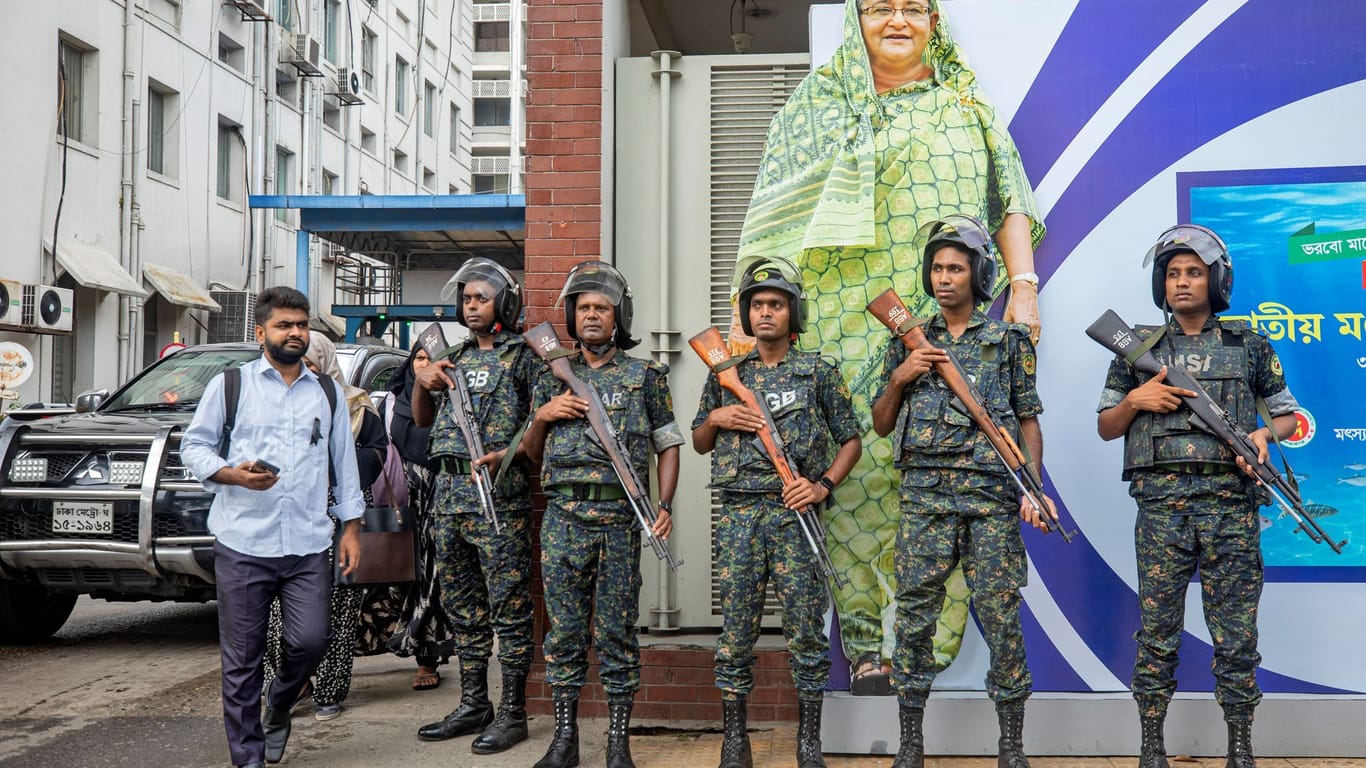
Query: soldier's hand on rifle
[740, 418]
[492, 460]
[1259, 438]
[433, 377]
[664, 524]
[1030, 515]
[1157, 396]
[802, 493]
[917, 364]
[560, 407]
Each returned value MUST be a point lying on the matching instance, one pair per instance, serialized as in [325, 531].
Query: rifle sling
[1148, 344]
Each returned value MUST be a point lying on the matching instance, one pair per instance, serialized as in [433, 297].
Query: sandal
[426, 679]
[868, 676]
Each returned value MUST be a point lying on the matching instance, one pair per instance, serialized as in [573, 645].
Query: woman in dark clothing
[423, 630]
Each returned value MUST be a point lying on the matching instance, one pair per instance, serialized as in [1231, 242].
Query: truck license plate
[82, 517]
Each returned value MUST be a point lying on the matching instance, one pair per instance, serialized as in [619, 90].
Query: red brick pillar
[563, 203]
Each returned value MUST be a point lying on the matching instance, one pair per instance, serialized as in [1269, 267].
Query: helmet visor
[956, 228]
[478, 270]
[773, 267]
[594, 277]
[1188, 237]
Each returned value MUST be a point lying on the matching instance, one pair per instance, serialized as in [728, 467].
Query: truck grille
[33, 523]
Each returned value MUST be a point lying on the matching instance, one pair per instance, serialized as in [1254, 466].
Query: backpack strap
[232, 392]
[330, 392]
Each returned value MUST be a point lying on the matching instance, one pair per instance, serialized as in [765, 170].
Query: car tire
[30, 613]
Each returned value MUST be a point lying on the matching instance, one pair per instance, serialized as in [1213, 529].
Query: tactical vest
[572, 453]
[933, 433]
[500, 409]
[1219, 361]
[741, 463]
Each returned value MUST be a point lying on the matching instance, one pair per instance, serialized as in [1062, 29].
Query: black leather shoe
[473, 715]
[276, 726]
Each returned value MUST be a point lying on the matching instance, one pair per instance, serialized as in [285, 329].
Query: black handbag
[388, 549]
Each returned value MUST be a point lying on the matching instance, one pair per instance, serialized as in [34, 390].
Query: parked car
[97, 502]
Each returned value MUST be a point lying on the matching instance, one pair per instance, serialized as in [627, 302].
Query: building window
[287, 89]
[493, 111]
[282, 15]
[332, 115]
[368, 46]
[330, 183]
[429, 179]
[367, 140]
[284, 160]
[230, 53]
[230, 162]
[491, 36]
[76, 79]
[455, 129]
[162, 114]
[400, 85]
[490, 183]
[401, 161]
[168, 10]
[429, 109]
[331, 21]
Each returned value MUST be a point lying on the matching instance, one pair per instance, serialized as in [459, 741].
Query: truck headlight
[27, 468]
[125, 473]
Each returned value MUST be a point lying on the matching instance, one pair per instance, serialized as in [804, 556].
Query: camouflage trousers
[948, 517]
[1226, 549]
[591, 573]
[757, 540]
[485, 582]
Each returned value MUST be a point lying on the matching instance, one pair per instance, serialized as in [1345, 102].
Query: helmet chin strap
[600, 349]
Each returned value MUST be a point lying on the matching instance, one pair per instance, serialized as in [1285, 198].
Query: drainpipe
[125, 182]
[266, 141]
[517, 102]
[666, 612]
[420, 93]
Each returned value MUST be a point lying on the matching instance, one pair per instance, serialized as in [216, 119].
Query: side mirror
[89, 401]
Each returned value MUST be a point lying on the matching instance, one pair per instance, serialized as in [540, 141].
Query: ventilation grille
[492, 89]
[488, 166]
[492, 11]
[237, 321]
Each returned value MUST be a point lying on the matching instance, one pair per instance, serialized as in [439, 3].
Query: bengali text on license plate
[82, 517]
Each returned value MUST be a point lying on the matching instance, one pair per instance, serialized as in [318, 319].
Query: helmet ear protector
[1208, 247]
[507, 298]
[599, 277]
[968, 234]
[780, 275]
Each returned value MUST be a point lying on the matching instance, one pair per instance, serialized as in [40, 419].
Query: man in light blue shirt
[270, 517]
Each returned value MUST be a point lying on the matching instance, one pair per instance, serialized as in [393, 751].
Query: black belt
[587, 491]
[454, 465]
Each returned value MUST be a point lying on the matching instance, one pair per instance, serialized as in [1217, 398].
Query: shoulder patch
[1029, 363]
[1276, 365]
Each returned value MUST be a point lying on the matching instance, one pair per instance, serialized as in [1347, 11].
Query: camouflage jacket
[810, 405]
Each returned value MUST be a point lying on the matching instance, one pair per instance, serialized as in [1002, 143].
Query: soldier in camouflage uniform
[485, 576]
[958, 502]
[590, 542]
[759, 535]
[1196, 509]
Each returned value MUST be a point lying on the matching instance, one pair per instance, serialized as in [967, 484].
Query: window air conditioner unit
[304, 53]
[11, 304]
[236, 321]
[347, 87]
[47, 308]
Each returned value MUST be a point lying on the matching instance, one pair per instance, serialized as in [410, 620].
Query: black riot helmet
[507, 298]
[1205, 244]
[599, 277]
[778, 274]
[970, 235]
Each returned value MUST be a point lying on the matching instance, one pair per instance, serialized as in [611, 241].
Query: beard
[285, 355]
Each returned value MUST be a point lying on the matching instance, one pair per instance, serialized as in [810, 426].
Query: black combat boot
[1010, 749]
[474, 713]
[809, 734]
[618, 733]
[564, 745]
[509, 725]
[1152, 752]
[912, 751]
[1240, 743]
[735, 751]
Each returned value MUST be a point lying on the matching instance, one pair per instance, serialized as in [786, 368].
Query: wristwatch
[1028, 277]
[828, 483]
[667, 506]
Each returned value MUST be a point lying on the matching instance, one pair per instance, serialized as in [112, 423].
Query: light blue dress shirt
[277, 423]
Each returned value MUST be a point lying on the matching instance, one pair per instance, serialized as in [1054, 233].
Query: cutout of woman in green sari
[894, 132]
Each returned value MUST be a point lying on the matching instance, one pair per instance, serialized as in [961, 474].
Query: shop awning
[178, 288]
[95, 268]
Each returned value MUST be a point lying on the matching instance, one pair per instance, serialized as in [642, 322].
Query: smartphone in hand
[261, 465]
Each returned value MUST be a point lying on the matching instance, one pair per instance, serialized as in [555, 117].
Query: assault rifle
[546, 344]
[433, 341]
[1115, 335]
[889, 309]
[712, 349]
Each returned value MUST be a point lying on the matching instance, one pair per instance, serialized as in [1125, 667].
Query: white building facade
[137, 130]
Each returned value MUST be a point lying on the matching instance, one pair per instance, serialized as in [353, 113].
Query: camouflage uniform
[485, 576]
[757, 536]
[590, 540]
[959, 504]
[1196, 509]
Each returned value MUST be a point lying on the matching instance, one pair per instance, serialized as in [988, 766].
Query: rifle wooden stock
[546, 344]
[1111, 332]
[711, 347]
[892, 312]
[433, 341]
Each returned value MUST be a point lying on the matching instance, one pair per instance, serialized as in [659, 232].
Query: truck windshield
[178, 380]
